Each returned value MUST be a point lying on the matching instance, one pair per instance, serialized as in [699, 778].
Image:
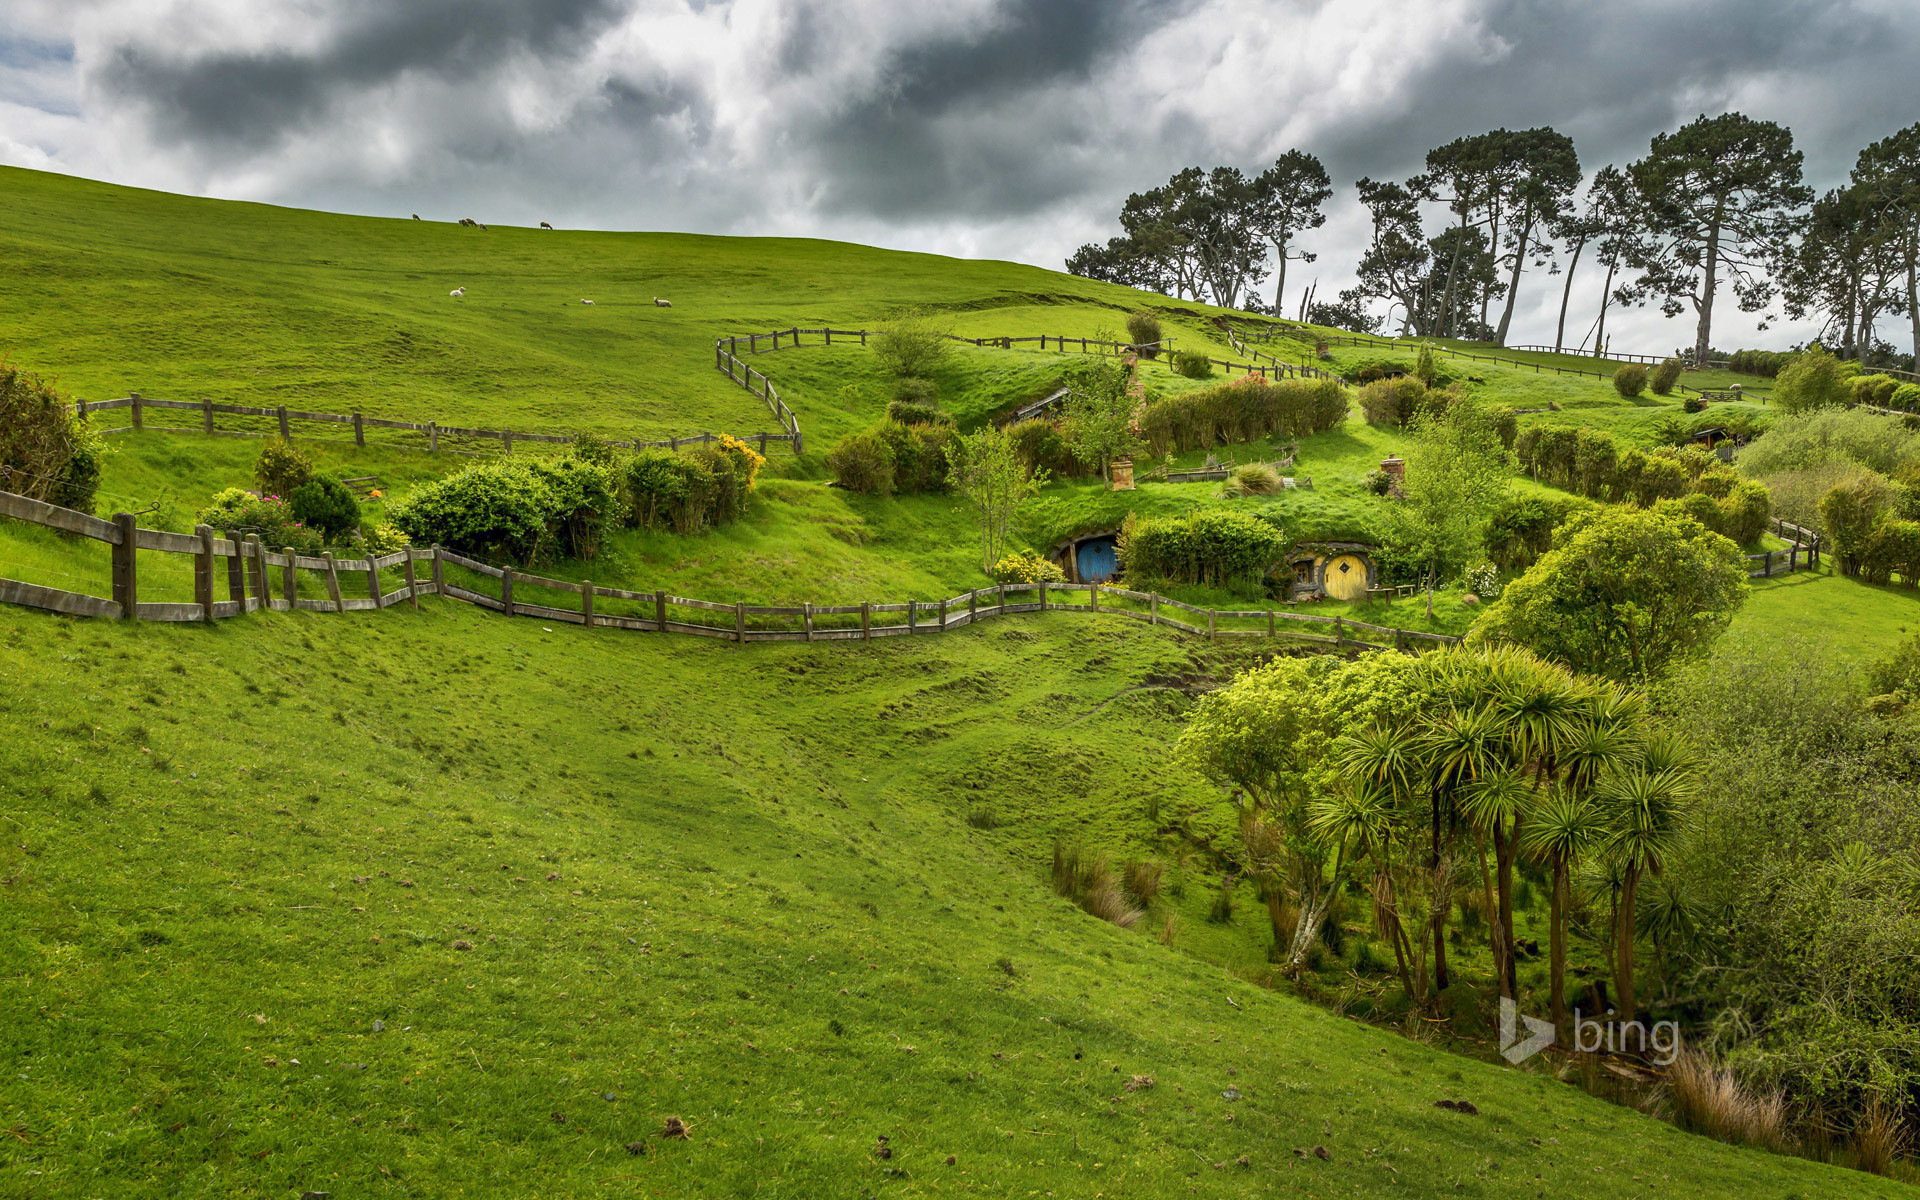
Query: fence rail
[1537, 368]
[253, 574]
[138, 406]
[1802, 553]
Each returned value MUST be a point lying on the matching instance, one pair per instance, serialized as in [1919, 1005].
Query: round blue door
[1096, 560]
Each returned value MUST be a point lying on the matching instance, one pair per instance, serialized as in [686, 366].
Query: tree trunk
[1513, 282]
[1387, 916]
[1566, 295]
[1273, 915]
[1493, 919]
[1606, 294]
[1623, 943]
[1557, 951]
[1280, 282]
[1442, 902]
[1709, 280]
[1453, 270]
[1913, 290]
[1493, 252]
[1504, 841]
[1432, 570]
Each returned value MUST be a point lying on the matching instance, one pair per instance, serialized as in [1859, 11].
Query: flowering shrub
[240, 512]
[281, 468]
[1483, 580]
[1027, 568]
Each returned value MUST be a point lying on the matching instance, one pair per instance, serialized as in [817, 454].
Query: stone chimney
[1396, 467]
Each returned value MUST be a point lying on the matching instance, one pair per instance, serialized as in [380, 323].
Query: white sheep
[586, 302]
[659, 303]
[544, 225]
[459, 291]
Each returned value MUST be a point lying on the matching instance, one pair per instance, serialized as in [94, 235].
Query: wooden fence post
[406, 571]
[126, 582]
[359, 434]
[257, 564]
[288, 582]
[1043, 595]
[1400, 641]
[236, 576]
[506, 438]
[586, 601]
[439, 571]
[206, 414]
[506, 591]
[806, 618]
[333, 582]
[283, 422]
[1093, 595]
[1272, 624]
[1339, 633]
[1153, 608]
[866, 628]
[135, 398]
[973, 606]
[373, 579]
[943, 616]
[1000, 599]
[660, 611]
[203, 571]
[740, 621]
[433, 437]
[913, 613]
[1211, 613]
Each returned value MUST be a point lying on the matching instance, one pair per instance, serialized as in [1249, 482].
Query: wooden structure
[257, 579]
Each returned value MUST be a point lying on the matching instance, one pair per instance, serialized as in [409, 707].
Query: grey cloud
[229, 103]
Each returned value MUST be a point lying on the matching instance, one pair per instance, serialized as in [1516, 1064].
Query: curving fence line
[233, 576]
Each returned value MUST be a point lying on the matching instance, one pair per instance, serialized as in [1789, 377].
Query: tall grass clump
[1630, 379]
[1711, 1100]
[1243, 410]
[1143, 330]
[1090, 882]
[1662, 378]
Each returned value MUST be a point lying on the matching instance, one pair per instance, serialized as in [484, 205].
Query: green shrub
[863, 462]
[922, 455]
[915, 392]
[1241, 410]
[1765, 363]
[385, 539]
[1660, 478]
[1213, 546]
[1877, 390]
[1522, 528]
[1143, 330]
[1194, 364]
[1630, 379]
[1369, 370]
[1041, 447]
[583, 498]
[1661, 379]
[493, 510]
[45, 451]
[916, 414]
[1027, 568]
[1853, 508]
[1693, 404]
[1378, 482]
[1814, 379]
[1893, 548]
[240, 512]
[325, 504]
[910, 344]
[281, 468]
[1392, 401]
[665, 490]
[1425, 369]
[1906, 398]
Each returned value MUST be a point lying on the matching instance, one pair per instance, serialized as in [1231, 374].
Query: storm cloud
[1005, 128]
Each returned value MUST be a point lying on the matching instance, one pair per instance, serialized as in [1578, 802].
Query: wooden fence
[285, 418]
[1537, 368]
[254, 573]
[1803, 552]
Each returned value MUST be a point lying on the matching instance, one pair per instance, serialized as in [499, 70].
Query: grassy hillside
[792, 895]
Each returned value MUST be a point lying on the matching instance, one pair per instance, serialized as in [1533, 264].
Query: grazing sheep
[586, 302]
[459, 291]
[659, 303]
[471, 223]
[416, 216]
[544, 225]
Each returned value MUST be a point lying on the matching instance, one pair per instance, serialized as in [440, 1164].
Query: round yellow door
[1346, 577]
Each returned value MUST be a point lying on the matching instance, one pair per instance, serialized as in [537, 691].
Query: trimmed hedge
[691, 490]
[519, 509]
[1042, 447]
[1244, 410]
[1215, 546]
[1590, 463]
[892, 457]
[326, 504]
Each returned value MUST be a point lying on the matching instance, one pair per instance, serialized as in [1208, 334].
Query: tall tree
[1844, 268]
[1624, 244]
[1890, 169]
[1397, 263]
[1219, 219]
[1286, 201]
[1542, 171]
[1465, 175]
[1576, 226]
[990, 473]
[1721, 194]
[1645, 809]
[1457, 473]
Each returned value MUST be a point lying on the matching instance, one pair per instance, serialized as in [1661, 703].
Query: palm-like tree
[1565, 825]
[1645, 809]
[1379, 760]
[1458, 750]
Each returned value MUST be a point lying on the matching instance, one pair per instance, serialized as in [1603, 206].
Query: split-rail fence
[234, 575]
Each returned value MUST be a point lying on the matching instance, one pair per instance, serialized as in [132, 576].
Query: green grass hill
[433, 903]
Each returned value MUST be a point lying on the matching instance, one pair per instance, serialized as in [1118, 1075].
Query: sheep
[544, 225]
[416, 216]
[586, 302]
[659, 303]
[459, 291]
[470, 222]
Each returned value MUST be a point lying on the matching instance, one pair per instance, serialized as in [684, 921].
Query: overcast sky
[983, 128]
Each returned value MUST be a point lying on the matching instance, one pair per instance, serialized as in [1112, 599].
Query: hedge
[1217, 546]
[1244, 410]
